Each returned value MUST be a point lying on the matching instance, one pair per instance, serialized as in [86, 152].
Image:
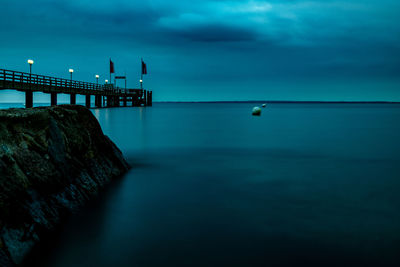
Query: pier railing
[27, 81]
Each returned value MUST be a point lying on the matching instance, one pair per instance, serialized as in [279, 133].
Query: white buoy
[256, 111]
[264, 105]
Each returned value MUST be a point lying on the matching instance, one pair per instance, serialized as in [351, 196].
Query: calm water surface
[302, 185]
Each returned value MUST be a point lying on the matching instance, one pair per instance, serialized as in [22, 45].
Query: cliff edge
[52, 161]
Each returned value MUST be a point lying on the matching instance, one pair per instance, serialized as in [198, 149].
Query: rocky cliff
[52, 161]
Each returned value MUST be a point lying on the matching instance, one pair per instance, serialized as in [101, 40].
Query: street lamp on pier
[71, 71]
[141, 84]
[106, 81]
[97, 78]
[30, 62]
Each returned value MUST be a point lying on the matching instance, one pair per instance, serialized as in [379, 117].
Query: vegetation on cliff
[52, 161]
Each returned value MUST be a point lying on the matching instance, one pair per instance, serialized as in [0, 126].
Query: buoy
[264, 105]
[256, 111]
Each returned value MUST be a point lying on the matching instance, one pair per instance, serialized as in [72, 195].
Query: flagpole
[141, 74]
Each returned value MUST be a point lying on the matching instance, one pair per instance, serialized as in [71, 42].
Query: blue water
[211, 185]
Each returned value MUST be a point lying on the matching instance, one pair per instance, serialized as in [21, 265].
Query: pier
[105, 95]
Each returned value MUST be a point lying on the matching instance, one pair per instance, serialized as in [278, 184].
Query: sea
[304, 184]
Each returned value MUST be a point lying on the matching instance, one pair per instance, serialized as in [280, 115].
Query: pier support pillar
[28, 99]
[53, 99]
[87, 102]
[137, 100]
[109, 101]
[145, 98]
[125, 101]
[150, 99]
[72, 99]
[97, 101]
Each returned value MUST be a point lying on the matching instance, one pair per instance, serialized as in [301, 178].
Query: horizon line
[251, 101]
[285, 101]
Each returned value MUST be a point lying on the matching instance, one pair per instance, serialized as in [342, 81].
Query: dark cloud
[215, 33]
[232, 43]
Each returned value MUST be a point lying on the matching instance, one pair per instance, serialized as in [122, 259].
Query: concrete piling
[87, 101]
[53, 99]
[28, 99]
[97, 101]
[72, 99]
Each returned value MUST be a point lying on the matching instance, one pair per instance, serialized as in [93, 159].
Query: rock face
[52, 161]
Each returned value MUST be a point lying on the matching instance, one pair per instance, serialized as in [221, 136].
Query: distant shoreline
[282, 102]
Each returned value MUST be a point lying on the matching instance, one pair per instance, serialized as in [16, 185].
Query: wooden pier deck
[106, 95]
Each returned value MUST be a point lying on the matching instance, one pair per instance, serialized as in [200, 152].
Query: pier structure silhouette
[106, 95]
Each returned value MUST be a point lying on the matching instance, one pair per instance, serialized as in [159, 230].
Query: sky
[202, 50]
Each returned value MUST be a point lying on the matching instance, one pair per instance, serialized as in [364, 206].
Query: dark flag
[111, 66]
[144, 68]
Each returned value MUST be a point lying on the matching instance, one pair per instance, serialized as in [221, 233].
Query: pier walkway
[106, 95]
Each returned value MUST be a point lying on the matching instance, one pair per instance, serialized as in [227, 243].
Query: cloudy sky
[213, 50]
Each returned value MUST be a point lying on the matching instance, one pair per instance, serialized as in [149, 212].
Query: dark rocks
[52, 161]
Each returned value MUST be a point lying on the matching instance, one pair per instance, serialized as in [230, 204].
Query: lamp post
[71, 71]
[30, 62]
[97, 78]
[29, 94]
[106, 81]
[141, 84]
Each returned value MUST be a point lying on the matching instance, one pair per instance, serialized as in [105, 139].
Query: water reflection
[213, 186]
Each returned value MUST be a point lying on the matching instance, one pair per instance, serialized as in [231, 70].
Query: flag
[144, 68]
[111, 66]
